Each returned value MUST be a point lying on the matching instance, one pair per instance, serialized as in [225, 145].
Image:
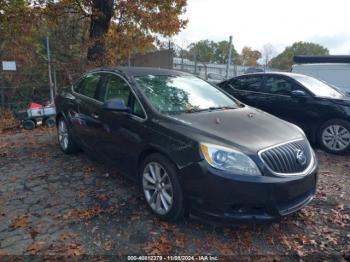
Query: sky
[278, 22]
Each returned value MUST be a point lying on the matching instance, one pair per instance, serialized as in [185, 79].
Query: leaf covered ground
[58, 206]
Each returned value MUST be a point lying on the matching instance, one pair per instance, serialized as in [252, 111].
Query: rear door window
[249, 83]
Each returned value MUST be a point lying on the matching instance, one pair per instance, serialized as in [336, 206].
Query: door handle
[95, 115]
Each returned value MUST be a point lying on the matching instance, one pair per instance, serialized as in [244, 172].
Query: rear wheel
[161, 188]
[65, 139]
[49, 122]
[29, 124]
[334, 136]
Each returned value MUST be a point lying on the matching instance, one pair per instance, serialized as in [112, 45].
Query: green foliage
[284, 60]
[203, 50]
[211, 52]
[221, 53]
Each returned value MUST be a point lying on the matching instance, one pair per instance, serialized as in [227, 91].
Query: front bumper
[214, 194]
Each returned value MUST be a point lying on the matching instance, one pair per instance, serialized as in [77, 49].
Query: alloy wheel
[157, 188]
[63, 135]
[336, 137]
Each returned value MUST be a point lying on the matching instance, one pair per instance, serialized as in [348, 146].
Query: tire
[334, 136]
[166, 192]
[49, 122]
[64, 137]
[29, 124]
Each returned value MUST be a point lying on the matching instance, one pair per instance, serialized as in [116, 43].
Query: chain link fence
[208, 70]
[18, 89]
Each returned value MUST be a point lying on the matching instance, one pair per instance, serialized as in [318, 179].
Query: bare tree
[268, 52]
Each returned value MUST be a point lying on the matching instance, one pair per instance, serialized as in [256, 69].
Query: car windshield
[318, 87]
[177, 94]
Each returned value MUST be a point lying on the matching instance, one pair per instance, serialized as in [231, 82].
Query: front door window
[278, 86]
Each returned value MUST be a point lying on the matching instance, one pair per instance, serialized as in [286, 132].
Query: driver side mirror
[117, 105]
[298, 94]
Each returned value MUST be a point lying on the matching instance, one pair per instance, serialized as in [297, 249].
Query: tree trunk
[102, 12]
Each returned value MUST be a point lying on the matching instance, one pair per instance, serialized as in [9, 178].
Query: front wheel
[334, 136]
[65, 139]
[161, 188]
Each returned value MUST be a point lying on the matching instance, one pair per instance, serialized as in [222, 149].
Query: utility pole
[55, 81]
[49, 65]
[229, 57]
[2, 85]
[2, 92]
[182, 59]
[2, 89]
[195, 61]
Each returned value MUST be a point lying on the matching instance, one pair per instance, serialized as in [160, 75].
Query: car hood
[345, 101]
[248, 129]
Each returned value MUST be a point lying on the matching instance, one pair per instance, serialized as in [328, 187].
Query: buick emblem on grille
[300, 156]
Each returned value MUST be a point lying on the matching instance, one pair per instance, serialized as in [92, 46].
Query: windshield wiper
[221, 108]
[209, 109]
[194, 110]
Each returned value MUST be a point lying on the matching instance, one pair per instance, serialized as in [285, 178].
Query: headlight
[229, 160]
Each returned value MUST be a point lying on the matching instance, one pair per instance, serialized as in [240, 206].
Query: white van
[334, 74]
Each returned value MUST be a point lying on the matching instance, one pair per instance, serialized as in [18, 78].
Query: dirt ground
[54, 206]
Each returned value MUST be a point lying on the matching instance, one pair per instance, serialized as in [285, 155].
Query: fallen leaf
[108, 245]
[3, 253]
[75, 250]
[67, 235]
[159, 247]
[83, 213]
[20, 222]
[33, 232]
[35, 248]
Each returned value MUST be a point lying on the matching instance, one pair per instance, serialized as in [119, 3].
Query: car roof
[274, 73]
[142, 71]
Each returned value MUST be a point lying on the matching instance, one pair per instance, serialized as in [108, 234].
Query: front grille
[289, 158]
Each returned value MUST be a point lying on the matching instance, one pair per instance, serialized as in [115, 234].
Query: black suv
[322, 111]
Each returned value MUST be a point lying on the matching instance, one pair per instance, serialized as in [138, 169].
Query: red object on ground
[34, 105]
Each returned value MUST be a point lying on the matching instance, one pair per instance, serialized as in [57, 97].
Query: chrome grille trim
[280, 159]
